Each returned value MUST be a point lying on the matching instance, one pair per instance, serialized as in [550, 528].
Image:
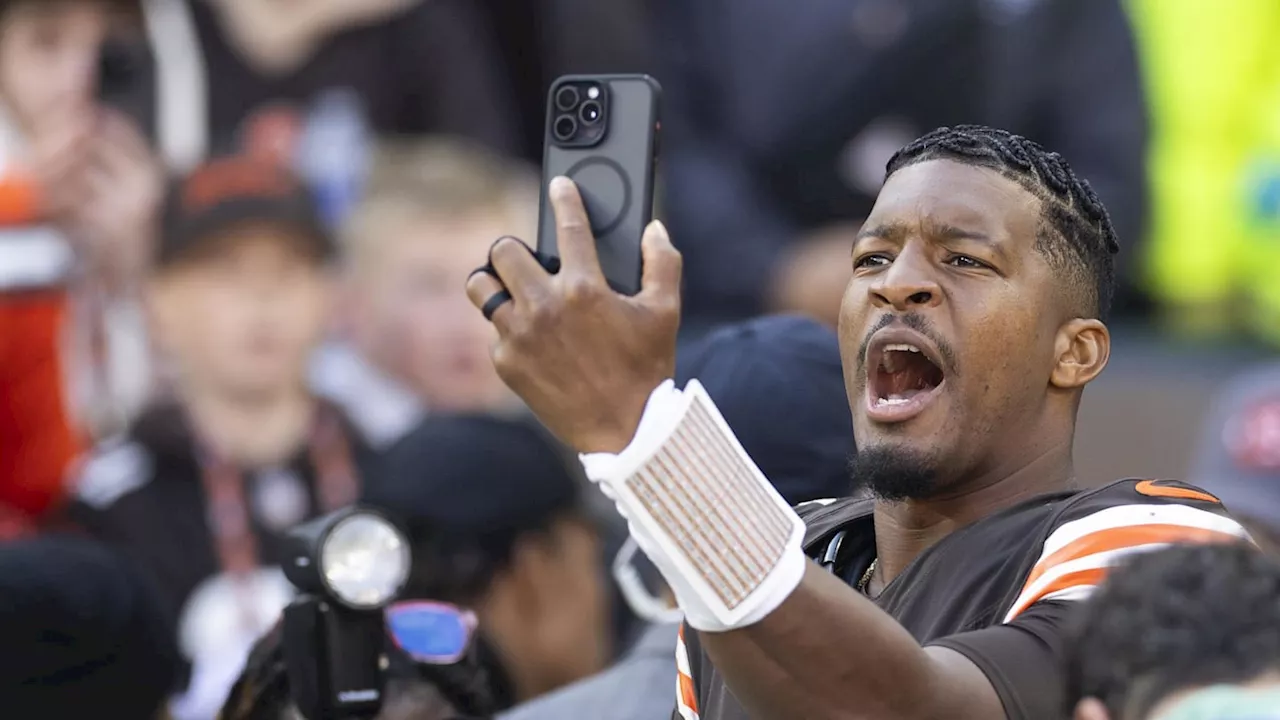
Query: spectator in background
[308, 83]
[756, 372]
[499, 522]
[84, 634]
[779, 120]
[1186, 633]
[78, 191]
[200, 489]
[540, 40]
[430, 212]
[1238, 458]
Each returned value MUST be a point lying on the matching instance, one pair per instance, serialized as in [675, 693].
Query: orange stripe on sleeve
[1080, 578]
[1123, 537]
[686, 694]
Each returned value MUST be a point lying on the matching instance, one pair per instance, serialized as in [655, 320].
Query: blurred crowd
[234, 237]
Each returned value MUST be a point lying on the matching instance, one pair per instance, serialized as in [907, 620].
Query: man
[84, 634]
[757, 371]
[201, 488]
[498, 517]
[428, 214]
[969, 329]
[1187, 633]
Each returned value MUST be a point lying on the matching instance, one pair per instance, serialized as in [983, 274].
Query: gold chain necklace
[865, 580]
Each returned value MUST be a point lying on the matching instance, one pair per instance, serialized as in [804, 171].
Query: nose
[908, 284]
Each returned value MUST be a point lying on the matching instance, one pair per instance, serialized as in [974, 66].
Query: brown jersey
[997, 591]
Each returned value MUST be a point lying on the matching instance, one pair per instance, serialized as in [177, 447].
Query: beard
[894, 474]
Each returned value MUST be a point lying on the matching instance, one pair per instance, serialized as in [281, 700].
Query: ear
[530, 571]
[1090, 709]
[1081, 350]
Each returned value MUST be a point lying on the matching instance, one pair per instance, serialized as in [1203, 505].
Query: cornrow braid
[1076, 233]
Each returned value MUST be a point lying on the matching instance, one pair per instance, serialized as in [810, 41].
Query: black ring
[493, 303]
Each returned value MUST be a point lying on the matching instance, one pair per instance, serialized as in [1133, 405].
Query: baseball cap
[83, 630]
[226, 192]
[1239, 455]
[778, 382]
[466, 488]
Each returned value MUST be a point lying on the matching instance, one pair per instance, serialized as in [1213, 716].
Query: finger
[123, 135]
[660, 278]
[62, 157]
[482, 286]
[573, 229]
[518, 269]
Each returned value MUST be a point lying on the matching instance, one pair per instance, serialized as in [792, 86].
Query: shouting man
[971, 324]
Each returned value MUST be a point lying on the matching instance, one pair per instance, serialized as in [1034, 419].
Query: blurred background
[234, 236]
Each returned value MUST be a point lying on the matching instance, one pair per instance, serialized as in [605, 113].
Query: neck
[252, 431]
[906, 529]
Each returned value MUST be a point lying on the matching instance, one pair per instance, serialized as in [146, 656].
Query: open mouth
[901, 380]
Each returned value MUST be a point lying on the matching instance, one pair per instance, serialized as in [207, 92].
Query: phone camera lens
[567, 97]
[590, 112]
[565, 127]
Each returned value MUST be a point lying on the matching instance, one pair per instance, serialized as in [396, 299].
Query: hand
[813, 278]
[121, 187]
[59, 153]
[584, 358]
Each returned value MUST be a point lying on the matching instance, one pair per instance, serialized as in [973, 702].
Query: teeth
[900, 347]
[892, 400]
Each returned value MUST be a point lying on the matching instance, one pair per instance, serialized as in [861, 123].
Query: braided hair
[1075, 235]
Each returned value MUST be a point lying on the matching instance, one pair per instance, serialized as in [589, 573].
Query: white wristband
[726, 542]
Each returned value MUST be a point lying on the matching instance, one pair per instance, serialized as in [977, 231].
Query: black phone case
[615, 176]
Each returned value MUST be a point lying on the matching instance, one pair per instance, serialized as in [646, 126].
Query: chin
[896, 471]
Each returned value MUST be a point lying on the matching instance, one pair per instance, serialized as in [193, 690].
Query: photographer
[499, 522]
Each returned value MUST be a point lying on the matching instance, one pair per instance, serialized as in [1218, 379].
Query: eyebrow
[895, 232]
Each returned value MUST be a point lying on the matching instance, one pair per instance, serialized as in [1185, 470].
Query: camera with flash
[348, 566]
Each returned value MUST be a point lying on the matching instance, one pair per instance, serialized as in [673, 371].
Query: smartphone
[602, 132]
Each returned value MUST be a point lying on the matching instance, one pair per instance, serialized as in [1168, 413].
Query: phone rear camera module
[590, 112]
[565, 128]
[567, 98]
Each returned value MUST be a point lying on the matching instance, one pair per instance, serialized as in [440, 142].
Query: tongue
[904, 385]
[907, 375]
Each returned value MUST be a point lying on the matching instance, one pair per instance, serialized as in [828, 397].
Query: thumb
[662, 264]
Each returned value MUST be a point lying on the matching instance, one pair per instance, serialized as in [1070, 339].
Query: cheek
[1007, 353]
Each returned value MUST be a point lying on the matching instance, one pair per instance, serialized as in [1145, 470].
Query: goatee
[893, 474]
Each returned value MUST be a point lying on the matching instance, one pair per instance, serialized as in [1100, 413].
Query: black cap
[779, 383]
[468, 486]
[83, 631]
[231, 191]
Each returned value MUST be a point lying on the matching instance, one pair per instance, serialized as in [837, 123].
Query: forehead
[252, 240]
[947, 194]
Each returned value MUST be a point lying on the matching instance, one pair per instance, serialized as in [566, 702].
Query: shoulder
[638, 687]
[823, 517]
[1096, 530]
[128, 463]
[111, 471]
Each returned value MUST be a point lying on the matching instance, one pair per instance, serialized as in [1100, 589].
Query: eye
[872, 260]
[964, 261]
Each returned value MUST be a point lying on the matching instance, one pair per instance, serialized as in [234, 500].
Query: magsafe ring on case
[605, 192]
